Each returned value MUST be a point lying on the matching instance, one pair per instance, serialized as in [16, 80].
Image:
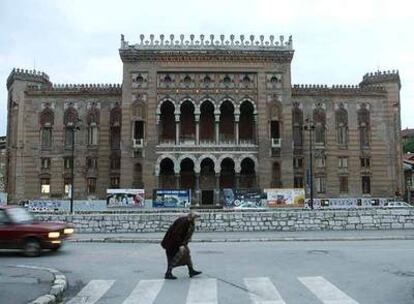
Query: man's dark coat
[176, 236]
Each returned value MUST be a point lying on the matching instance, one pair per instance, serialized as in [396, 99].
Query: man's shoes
[193, 273]
[170, 276]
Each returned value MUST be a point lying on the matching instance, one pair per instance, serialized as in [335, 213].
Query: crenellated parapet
[27, 75]
[75, 89]
[381, 77]
[207, 47]
[322, 89]
[205, 42]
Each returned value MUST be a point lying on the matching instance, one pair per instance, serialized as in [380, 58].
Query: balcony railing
[138, 142]
[276, 142]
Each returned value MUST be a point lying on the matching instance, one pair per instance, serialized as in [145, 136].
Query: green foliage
[409, 145]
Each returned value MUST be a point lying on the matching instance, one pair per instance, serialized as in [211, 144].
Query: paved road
[364, 272]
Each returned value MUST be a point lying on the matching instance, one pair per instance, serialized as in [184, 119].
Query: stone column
[197, 121]
[177, 129]
[177, 180]
[217, 189]
[197, 189]
[237, 177]
[217, 128]
[236, 129]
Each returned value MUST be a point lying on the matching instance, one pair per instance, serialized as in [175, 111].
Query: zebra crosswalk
[260, 290]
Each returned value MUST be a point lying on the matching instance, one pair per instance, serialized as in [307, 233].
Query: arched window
[297, 119]
[247, 174]
[115, 122]
[364, 125]
[227, 174]
[226, 126]
[167, 122]
[207, 121]
[46, 120]
[70, 120]
[167, 175]
[246, 123]
[187, 122]
[341, 121]
[93, 122]
[275, 122]
[319, 119]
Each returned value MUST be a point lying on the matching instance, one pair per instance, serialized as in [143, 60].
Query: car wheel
[32, 248]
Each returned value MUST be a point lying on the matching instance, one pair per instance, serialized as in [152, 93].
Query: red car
[19, 230]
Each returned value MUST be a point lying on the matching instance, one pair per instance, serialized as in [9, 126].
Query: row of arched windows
[341, 125]
[187, 125]
[71, 120]
[186, 178]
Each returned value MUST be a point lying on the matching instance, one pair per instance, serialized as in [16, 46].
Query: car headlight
[53, 235]
[68, 230]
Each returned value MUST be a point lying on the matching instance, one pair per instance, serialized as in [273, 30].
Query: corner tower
[390, 80]
[17, 83]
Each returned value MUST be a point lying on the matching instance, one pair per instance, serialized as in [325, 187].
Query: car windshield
[19, 215]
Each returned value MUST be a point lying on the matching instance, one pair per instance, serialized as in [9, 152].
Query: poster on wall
[238, 197]
[171, 198]
[281, 197]
[125, 197]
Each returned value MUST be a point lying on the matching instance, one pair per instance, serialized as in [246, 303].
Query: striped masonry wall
[236, 221]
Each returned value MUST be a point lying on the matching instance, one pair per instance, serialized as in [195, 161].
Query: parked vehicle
[19, 230]
[248, 205]
[396, 204]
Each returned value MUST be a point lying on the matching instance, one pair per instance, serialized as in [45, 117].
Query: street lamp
[309, 126]
[72, 175]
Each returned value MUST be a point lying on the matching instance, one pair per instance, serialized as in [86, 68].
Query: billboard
[171, 198]
[235, 197]
[125, 197]
[282, 197]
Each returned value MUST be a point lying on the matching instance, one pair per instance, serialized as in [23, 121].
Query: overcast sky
[335, 42]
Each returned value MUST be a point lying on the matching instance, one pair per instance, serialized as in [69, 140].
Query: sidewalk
[271, 236]
[40, 285]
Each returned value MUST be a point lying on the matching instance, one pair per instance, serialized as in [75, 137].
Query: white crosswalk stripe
[326, 291]
[262, 291]
[202, 291]
[92, 292]
[145, 292]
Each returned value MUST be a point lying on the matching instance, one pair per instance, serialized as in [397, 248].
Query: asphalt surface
[36, 282]
[21, 284]
[359, 235]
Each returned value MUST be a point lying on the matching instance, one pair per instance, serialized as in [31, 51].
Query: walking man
[175, 243]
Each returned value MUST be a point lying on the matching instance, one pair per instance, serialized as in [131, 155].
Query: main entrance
[207, 197]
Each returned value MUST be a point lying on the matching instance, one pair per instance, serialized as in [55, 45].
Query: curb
[240, 240]
[57, 289]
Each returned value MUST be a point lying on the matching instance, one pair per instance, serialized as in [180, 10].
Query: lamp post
[309, 126]
[72, 167]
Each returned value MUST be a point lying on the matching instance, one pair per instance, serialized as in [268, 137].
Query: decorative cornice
[75, 89]
[190, 49]
[348, 90]
[27, 75]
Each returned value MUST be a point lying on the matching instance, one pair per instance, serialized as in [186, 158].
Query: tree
[408, 145]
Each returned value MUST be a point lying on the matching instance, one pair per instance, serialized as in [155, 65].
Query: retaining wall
[272, 220]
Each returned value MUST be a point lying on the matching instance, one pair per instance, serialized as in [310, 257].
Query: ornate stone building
[2, 163]
[203, 113]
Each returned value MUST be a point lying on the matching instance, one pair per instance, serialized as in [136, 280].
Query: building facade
[203, 113]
